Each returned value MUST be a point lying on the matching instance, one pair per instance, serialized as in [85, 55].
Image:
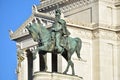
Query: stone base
[54, 76]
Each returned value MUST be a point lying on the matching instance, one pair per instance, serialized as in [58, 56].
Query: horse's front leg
[72, 66]
[66, 70]
[68, 65]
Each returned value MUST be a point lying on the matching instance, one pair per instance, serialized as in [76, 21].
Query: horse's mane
[45, 33]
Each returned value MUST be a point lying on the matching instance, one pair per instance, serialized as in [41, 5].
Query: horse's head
[32, 28]
[38, 31]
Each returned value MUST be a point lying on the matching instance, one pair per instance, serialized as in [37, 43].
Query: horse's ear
[37, 20]
[42, 23]
[34, 8]
[28, 26]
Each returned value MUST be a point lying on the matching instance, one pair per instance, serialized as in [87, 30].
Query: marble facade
[96, 22]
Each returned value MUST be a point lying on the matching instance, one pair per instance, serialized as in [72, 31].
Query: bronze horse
[46, 43]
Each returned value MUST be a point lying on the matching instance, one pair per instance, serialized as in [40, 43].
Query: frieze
[50, 3]
[69, 5]
[86, 33]
[111, 1]
[79, 32]
[104, 34]
[118, 36]
[95, 33]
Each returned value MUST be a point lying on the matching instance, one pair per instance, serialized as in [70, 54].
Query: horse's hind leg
[78, 47]
[66, 70]
[72, 66]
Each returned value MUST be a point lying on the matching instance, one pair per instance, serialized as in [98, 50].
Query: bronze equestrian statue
[55, 40]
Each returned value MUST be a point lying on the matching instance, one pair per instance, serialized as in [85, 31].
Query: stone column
[106, 59]
[22, 65]
[24, 68]
[95, 60]
[18, 74]
[19, 61]
[59, 63]
[18, 70]
[118, 60]
[49, 65]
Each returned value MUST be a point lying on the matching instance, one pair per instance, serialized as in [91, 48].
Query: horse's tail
[78, 47]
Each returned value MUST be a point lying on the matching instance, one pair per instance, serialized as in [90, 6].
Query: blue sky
[12, 14]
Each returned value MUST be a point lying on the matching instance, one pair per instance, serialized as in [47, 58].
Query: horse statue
[46, 43]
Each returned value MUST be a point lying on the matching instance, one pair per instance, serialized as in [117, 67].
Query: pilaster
[49, 61]
[118, 59]
[95, 57]
[25, 70]
[23, 75]
[59, 68]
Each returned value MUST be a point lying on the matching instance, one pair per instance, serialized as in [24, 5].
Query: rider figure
[59, 27]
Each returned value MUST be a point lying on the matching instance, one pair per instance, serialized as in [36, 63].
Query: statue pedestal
[54, 76]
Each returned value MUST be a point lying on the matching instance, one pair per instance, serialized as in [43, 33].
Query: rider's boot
[60, 49]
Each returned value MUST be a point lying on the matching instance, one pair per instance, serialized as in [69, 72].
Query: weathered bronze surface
[56, 40]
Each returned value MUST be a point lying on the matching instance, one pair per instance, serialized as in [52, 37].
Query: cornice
[65, 5]
[111, 3]
[50, 3]
[98, 30]
[48, 6]
[21, 31]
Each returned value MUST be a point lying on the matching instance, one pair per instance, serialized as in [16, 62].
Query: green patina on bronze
[56, 39]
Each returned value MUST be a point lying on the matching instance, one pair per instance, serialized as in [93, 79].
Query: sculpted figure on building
[60, 31]
[55, 40]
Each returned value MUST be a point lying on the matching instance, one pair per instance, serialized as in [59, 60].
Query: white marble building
[96, 22]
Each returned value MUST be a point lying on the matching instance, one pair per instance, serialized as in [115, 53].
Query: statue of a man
[59, 27]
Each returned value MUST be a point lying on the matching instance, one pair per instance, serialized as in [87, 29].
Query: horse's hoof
[73, 74]
[81, 77]
[45, 69]
[64, 72]
[34, 57]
